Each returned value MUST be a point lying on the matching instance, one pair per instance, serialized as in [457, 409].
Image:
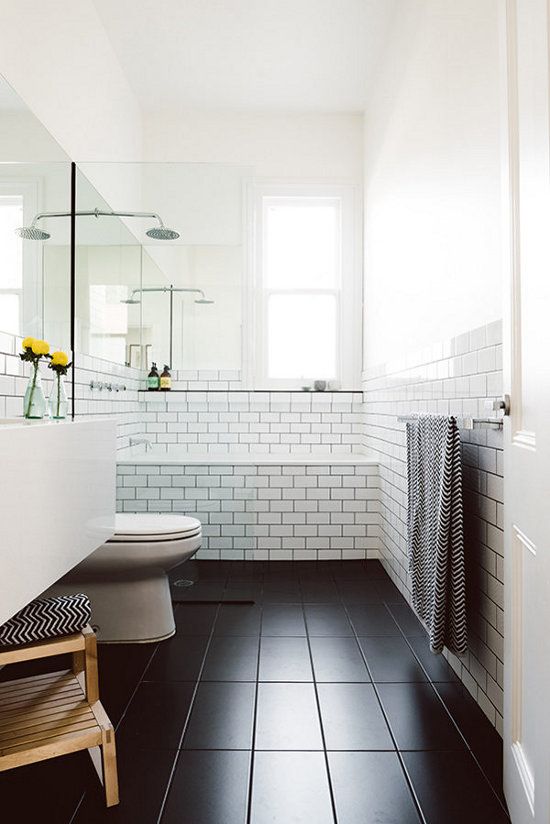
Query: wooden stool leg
[79, 662]
[110, 775]
[90, 654]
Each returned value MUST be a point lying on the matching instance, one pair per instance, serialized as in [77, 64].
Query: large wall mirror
[35, 181]
[159, 264]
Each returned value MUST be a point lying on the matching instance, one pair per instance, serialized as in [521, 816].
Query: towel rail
[462, 422]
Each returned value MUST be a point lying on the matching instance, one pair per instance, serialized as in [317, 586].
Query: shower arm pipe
[167, 289]
[98, 213]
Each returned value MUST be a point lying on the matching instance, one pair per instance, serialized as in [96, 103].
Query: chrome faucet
[138, 441]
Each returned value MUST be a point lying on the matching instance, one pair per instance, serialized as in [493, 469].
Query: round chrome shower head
[162, 233]
[204, 301]
[131, 301]
[32, 233]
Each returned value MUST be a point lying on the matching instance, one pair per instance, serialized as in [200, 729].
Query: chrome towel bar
[462, 422]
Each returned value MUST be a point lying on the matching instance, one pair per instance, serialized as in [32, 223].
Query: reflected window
[307, 296]
[108, 321]
[11, 263]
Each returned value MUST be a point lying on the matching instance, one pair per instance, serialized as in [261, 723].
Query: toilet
[126, 578]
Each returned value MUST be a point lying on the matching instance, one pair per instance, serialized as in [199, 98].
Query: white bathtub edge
[242, 459]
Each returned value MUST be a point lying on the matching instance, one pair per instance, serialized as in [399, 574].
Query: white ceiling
[271, 55]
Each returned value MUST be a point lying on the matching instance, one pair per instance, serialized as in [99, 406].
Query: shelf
[47, 715]
[254, 391]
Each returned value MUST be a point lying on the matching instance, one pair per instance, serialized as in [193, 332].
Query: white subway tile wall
[207, 379]
[274, 422]
[455, 377]
[118, 397]
[266, 512]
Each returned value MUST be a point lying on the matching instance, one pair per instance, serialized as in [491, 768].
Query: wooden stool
[49, 715]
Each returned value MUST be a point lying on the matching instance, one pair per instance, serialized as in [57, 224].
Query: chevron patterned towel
[47, 618]
[436, 530]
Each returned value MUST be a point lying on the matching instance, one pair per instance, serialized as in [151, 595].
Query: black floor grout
[254, 718]
[318, 704]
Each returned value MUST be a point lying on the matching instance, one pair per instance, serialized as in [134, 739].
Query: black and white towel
[436, 530]
[47, 618]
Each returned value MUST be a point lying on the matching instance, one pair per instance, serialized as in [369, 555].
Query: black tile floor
[320, 703]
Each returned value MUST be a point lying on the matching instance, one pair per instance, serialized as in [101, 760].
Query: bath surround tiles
[266, 512]
[207, 379]
[455, 377]
[283, 422]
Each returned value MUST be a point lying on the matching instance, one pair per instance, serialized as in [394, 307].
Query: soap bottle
[165, 379]
[153, 379]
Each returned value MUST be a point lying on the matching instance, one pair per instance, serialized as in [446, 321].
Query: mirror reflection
[34, 274]
[160, 259]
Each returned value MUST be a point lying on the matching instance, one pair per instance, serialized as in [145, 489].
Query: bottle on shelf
[165, 379]
[153, 379]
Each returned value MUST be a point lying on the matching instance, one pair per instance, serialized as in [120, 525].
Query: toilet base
[136, 610]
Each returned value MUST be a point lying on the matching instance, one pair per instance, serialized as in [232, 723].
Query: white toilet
[126, 578]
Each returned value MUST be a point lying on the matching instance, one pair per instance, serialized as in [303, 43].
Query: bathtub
[260, 505]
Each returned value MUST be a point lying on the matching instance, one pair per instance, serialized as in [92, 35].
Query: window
[11, 264]
[305, 297]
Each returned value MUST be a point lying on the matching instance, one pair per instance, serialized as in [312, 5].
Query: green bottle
[153, 379]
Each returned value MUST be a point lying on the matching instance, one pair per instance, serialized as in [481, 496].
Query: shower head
[204, 301]
[162, 233]
[32, 233]
[131, 301]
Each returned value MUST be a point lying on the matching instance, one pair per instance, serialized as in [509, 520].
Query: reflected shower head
[162, 233]
[32, 233]
[204, 301]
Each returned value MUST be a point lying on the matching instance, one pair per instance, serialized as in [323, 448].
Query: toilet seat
[152, 528]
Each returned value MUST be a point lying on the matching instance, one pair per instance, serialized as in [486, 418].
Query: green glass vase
[34, 404]
[59, 403]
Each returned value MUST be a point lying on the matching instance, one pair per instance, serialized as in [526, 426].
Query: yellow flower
[60, 359]
[40, 347]
[27, 343]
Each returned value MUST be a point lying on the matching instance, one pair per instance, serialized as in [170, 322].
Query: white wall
[58, 58]
[308, 146]
[432, 189]
[24, 139]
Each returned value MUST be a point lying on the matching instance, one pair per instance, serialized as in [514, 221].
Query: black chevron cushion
[47, 618]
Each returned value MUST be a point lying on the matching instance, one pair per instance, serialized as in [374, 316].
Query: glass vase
[59, 403]
[34, 403]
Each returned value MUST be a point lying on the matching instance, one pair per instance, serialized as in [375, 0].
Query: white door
[527, 430]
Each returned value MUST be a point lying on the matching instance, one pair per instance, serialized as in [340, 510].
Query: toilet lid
[138, 526]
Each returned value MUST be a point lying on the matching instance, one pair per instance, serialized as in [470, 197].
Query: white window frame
[348, 292]
[30, 297]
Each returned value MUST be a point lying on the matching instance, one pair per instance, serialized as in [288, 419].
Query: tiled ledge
[161, 457]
